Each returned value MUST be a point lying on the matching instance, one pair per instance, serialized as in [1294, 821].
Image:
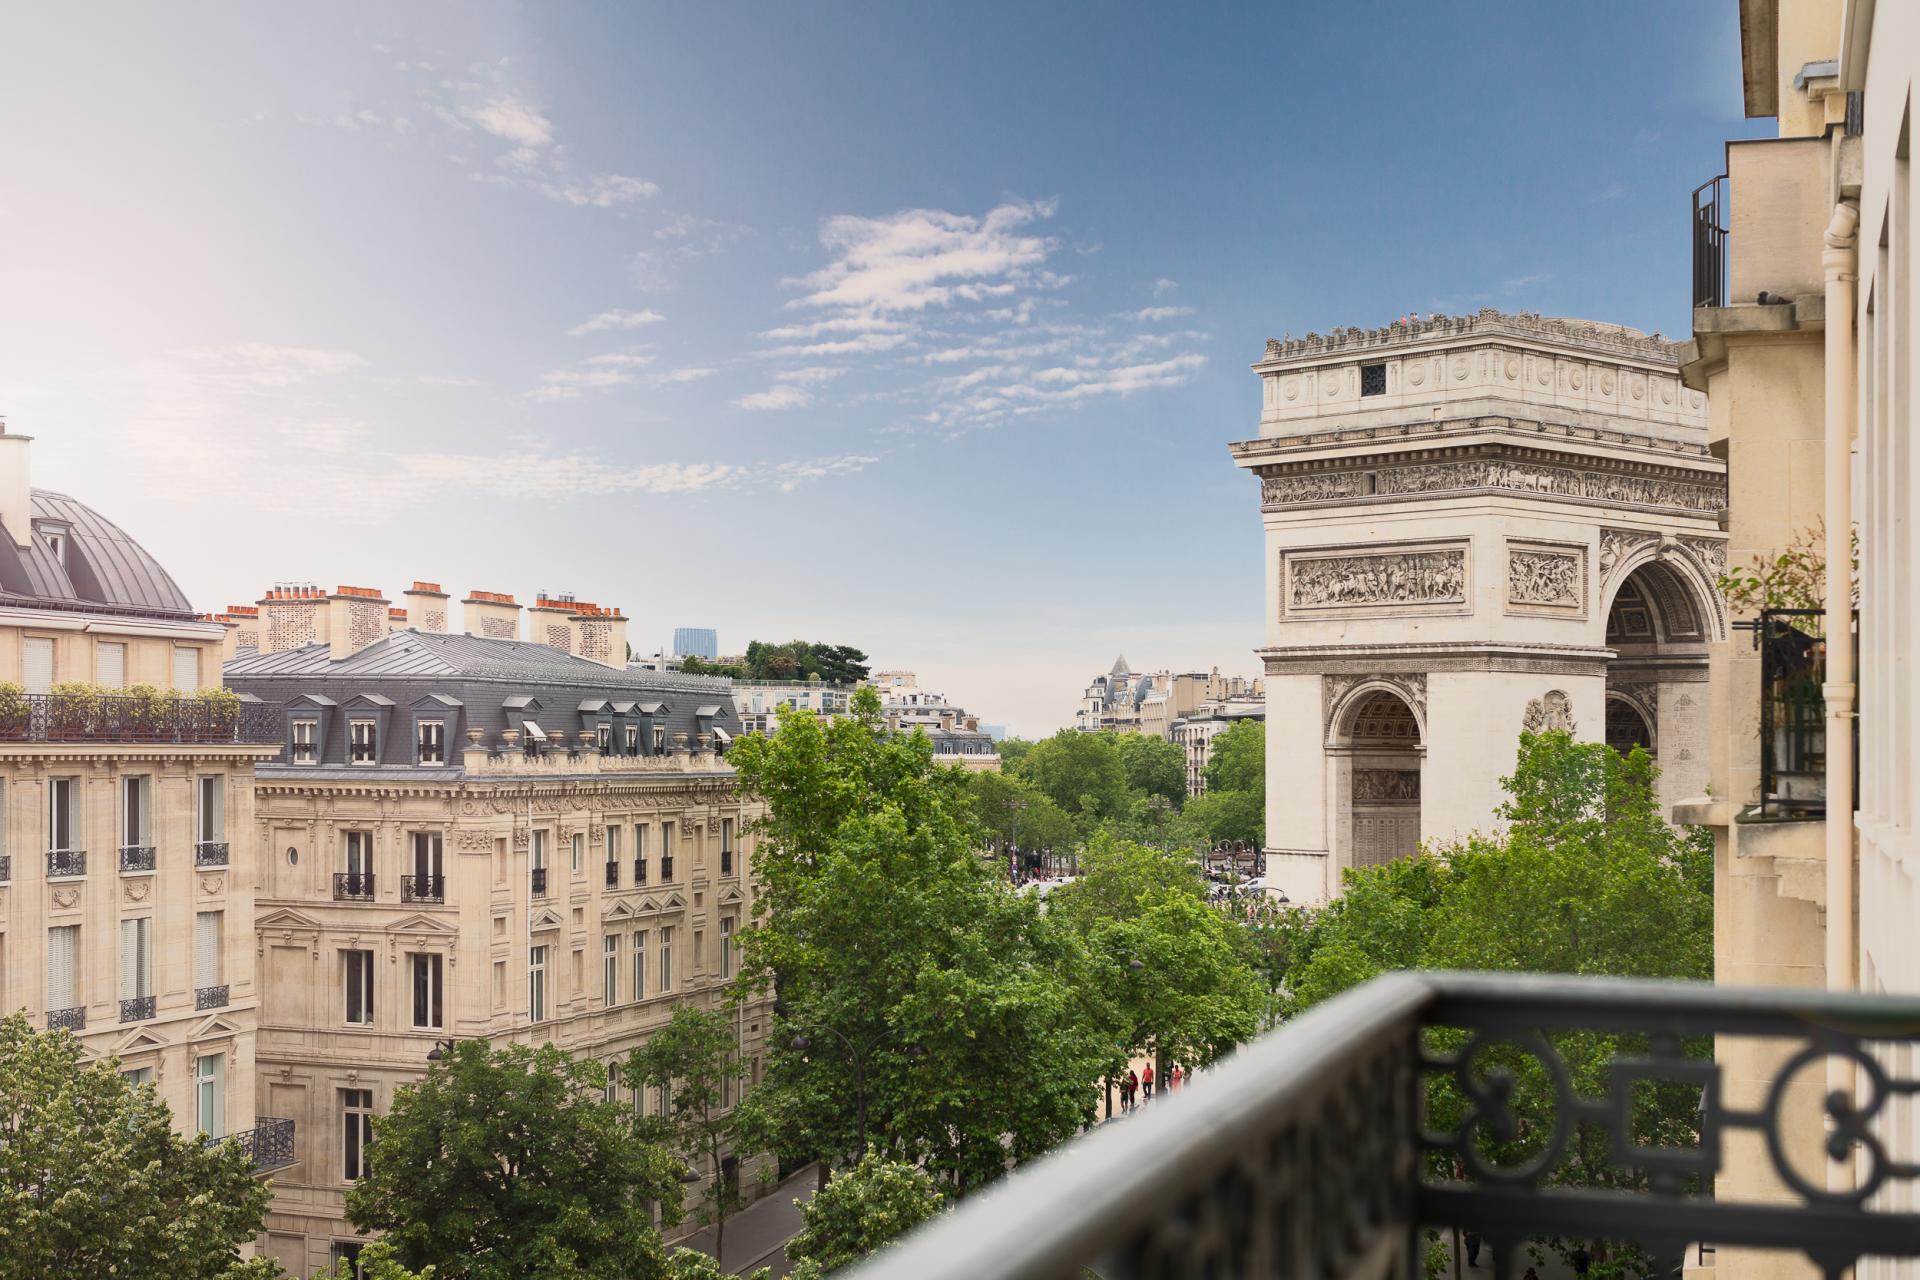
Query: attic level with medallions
[1498, 522]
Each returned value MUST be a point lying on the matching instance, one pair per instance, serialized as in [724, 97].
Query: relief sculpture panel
[1424, 576]
[1565, 482]
[1386, 784]
[1546, 578]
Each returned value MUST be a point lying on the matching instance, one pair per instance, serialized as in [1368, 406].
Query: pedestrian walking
[1473, 1248]
[1146, 1082]
[1175, 1076]
[1133, 1087]
[1581, 1259]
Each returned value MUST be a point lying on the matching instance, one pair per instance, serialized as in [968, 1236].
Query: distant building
[890, 683]
[1125, 701]
[696, 642]
[957, 737]
[998, 732]
[1195, 734]
[760, 702]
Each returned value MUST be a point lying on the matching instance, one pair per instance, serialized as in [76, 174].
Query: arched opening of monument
[1659, 625]
[1378, 760]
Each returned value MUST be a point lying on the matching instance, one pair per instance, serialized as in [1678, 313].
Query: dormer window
[55, 538]
[362, 735]
[432, 741]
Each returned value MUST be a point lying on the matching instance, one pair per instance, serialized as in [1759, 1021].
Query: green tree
[1154, 766]
[504, 1164]
[691, 1264]
[1013, 755]
[376, 1262]
[95, 1182]
[913, 984]
[1220, 816]
[1238, 760]
[696, 1059]
[1083, 773]
[859, 1212]
[1003, 807]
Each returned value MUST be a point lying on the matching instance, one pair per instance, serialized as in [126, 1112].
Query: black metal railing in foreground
[269, 1143]
[1311, 1151]
[1710, 243]
[57, 717]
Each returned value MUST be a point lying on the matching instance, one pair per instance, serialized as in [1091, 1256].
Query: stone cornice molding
[1583, 336]
[1250, 453]
[1437, 657]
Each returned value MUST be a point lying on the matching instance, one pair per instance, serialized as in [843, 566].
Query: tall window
[537, 983]
[429, 867]
[539, 850]
[136, 958]
[579, 850]
[36, 664]
[613, 844]
[63, 947]
[640, 964]
[186, 668]
[364, 746]
[306, 749]
[356, 1131]
[726, 835]
[666, 957]
[63, 813]
[206, 950]
[639, 854]
[359, 853]
[633, 739]
[213, 808]
[613, 1082]
[359, 969]
[210, 1075]
[666, 851]
[610, 969]
[431, 736]
[110, 664]
[136, 808]
[726, 946]
[659, 737]
[425, 972]
[603, 737]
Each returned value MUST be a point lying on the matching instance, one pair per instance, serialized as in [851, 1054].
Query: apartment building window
[537, 860]
[633, 739]
[640, 964]
[431, 740]
[579, 850]
[36, 664]
[359, 970]
[305, 748]
[612, 1090]
[537, 983]
[726, 846]
[425, 972]
[639, 854]
[348, 1251]
[666, 851]
[110, 664]
[63, 948]
[136, 811]
[356, 1131]
[428, 881]
[659, 738]
[603, 737]
[210, 1077]
[186, 668]
[136, 969]
[726, 946]
[209, 992]
[610, 969]
[666, 958]
[137, 1076]
[364, 745]
[63, 813]
[356, 882]
[213, 809]
[613, 857]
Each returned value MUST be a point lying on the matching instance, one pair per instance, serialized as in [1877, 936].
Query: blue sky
[917, 327]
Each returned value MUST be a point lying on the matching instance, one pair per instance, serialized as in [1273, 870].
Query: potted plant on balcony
[147, 708]
[13, 711]
[216, 713]
[73, 710]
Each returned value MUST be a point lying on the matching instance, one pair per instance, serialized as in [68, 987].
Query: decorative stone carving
[1315, 488]
[65, 896]
[473, 838]
[137, 888]
[211, 885]
[1334, 689]
[1386, 784]
[1618, 544]
[520, 839]
[1537, 576]
[1564, 482]
[1552, 710]
[1711, 552]
[1390, 578]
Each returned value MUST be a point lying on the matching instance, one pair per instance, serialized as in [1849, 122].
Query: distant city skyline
[784, 321]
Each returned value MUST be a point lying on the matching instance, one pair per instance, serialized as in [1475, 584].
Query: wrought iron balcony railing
[137, 857]
[613, 875]
[74, 1019]
[353, 886]
[138, 1009]
[66, 862]
[83, 717]
[539, 882]
[1710, 243]
[423, 888]
[639, 871]
[210, 853]
[210, 997]
[666, 868]
[6, 867]
[1333, 1146]
[726, 862]
[269, 1143]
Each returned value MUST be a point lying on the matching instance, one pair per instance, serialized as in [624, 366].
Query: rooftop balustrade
[86, 717]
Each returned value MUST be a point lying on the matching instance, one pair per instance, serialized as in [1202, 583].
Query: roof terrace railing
[1330, 1147]
[56, 717]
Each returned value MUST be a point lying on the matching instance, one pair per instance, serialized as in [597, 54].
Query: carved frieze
[1711, 552]
[1324, 487]
[473, 838]
[1410, 576]
[1550, 711]
[1334, 689]
[1564, 482]
[1386, 784]
[1546, 578]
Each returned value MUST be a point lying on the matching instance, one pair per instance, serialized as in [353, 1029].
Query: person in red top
[1174, 1077]
[1146, 1082]
[1129, 1089]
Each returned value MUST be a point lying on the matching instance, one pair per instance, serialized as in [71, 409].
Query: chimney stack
[246, 632]
[550, 621]
[357, 616]
[491, 614]
[426, 607]
[600, 635]
[16, 486]
[291, 615]
[396, 620]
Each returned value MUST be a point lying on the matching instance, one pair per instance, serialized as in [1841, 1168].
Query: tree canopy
[805, 660]
[95, 1182]
[862, 1209]
[696, 1059]
[508, 1163]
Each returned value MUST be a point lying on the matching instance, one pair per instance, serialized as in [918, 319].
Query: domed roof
[80, 560]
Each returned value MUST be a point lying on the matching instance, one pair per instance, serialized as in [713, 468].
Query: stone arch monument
[1474, 525]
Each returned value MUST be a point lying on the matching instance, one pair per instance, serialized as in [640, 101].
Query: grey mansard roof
[103, 571]
[439, 654]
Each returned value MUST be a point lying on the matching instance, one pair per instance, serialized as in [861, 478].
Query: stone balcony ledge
[559, 762]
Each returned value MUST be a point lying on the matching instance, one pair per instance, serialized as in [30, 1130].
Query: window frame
[361, 992]
[610, 969]
[64, 811]
[356, 1132]
[367, 751]
[537, 968]
[426, 984]
[304, 748]
[430, 737]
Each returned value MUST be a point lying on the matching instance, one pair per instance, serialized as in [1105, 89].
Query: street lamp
[1013, 805]
[442, 1050]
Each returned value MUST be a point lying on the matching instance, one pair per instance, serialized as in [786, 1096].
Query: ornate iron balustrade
[84, 717]
[1335, 1145]
[138, 1009]
[613, 875]
[353, 886]
[210, 997]
[639, 871]
[74, 1019]
[539, 880]
[666, 868]
[210, 853]
[6, 867]
[269, 1143]
[423, 888]
[66, 862]
[137, 857]
[726, 862]
[1710, 243]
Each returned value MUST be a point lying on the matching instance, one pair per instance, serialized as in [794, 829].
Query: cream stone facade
[475, 836]
[1474, 525]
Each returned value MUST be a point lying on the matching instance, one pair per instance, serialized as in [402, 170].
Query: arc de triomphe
[1474, 524]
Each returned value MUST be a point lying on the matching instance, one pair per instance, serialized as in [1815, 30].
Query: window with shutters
[63, 813]
[640, 964]
[213, 809]
[666, 958]
[659, 737]
[206, 949]
[359, 977]
[110, 664]
[306, 746]
[364, 746]
[603, 737]
[36, 664]
[210, 1073]
[356, 1131]
[425, 971]
[538, 853]
[136, 808]
[186, 668]
[136, 958]
[63, 947]
[537, 983]
[633, 739]
[431, 738]
[610, 969]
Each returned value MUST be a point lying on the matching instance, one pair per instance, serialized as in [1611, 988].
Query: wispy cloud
[510, 119]
[925, 258]
[1163, 286]
[789, 476]
[1520, 284]
[785, 396]
[1150, 314]
[615, 319]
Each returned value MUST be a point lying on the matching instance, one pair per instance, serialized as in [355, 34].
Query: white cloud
[851, 346]
[615, 319]
[602, 190]
[788, 476]
[810, 376]
[780, 397]
[1150, 314]
[514, 121]
[839, 324]
[1163, 286]
[570, 384]
[680, 375]
[924, 258]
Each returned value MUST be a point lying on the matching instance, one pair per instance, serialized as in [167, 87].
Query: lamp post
[1013, 805]
[1159, 805]
[441, 1051]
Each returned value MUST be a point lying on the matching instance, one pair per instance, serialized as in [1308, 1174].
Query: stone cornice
[1248, 452]
[138, 752]
[1435, 657]
[1579, 335]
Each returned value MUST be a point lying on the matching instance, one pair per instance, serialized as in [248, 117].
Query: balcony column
[1839, 263]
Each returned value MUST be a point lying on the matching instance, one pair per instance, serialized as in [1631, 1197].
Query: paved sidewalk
[757, 1235]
